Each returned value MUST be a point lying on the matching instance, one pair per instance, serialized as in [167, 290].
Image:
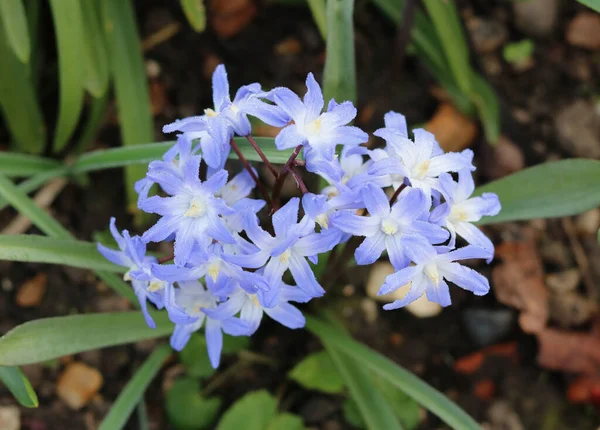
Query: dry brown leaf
[453, 130]
[569, 351]
[32, 291]
[518, 281]
[229, 17]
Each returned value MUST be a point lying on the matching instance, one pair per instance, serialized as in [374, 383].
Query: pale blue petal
[289, 137]
[286, 217]
[287, 315]
[439, 293]
[356, 225]
[313, 100]
[375, 201]
[214, 341]
[396, 121]
[398, 279]
[465, 278]
[289, 102]
[304, 277]
[180, 337]
[220, 87]
[370, 250]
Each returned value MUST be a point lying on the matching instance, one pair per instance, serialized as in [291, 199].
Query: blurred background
[515, 80]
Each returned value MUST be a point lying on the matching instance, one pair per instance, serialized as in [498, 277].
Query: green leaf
[319, 13]
[48, 338]
[96, 73]
[194, 357]
[67, 17]
[518, 52]
[352, 414]
[254, 411]
[18, 101]
[400, 378]
[405, 408]
[488, 107]
[195, 12]
[94, 121]
[449, 30]
[592, 4]
[134, 390]
[36, 181]
[317, 372]
[20, 387]
[286, 421]
[14, 21]
[555, 189]
[373, 407]
[187, 409]
[28, 208]
[13, 164]
[41, 249]
[339, 76]
[131, 86]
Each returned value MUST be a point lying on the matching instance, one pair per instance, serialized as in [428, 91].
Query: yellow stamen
[421, 169]
[389, 226]
[210, 112]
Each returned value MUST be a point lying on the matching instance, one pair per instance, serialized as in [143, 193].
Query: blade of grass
[592, 4]
[339, 76]
[48, 338]
[405, 381]
[14, 21]
[20, 387]
[13, 164]
[319, 13]
[97, 112]
[134, 390]
[487, 104]
[18, 102]
[195, 12]
[36, 181]
[131, 86]
[67, 17]
[33, 248]
[449, 30]
[96, 75]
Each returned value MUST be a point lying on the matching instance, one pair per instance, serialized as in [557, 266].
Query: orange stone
[78, 384]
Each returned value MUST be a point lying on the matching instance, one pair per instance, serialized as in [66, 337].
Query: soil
[429, 347]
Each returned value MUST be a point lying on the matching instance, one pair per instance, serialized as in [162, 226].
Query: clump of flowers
[235, 256]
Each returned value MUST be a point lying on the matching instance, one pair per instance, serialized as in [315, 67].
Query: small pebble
[31, 293]
[377, 275]
[587, 223]
[78, 384]
[507, 158]
[423, 308]
[564, 282]
[370, 310]
[10, 418]
[487, 35]
[536, 17]
[578, 129]
[584, 31]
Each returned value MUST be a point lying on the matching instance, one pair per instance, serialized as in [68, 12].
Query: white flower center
[213, 270]
[313, 127]
[458, 213]
[431, 270]
[234, 108]
[127, 276]
[156, 285]
[210, 112]
[389, 226]
[254, 299]
[323, 220]
[196, 209]
[421, 169]
[285, 256]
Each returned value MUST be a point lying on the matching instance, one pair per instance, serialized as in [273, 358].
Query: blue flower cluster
[227, 270]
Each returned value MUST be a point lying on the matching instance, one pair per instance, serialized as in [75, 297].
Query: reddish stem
[281, 177]
[262, 155]
[165, 259]
[299, 181]
[397, 193]
[250, 170]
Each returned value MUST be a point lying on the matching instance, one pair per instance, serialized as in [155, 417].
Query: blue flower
[418, 162]
[216, 127]
[394, 229]
[288, 249]
[459, 211]
[251, 307]
[191, 212]
[318, 132]
[186, 305]
[133, 256]
[431, 271]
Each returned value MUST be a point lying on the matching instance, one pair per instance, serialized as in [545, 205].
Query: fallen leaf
[471, 363]
[569, 351]
[518, 281]
[229, 17]
[453, 130]
[31, 293]
[485, 389]
[78, 384]
[584, 31]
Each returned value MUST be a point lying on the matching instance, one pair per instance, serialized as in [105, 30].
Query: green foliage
[339, 76]
[195, 358]
[556, 189]
[518, 52]
[13, 164]
[96, 73]
[317, 372]
[398, 377]
[131, 87]
[187, 409]
[257, 411]
[70, 37]
[14, 21]
[20, 387]
[592, 4]
[48, 338]
[319, 13]
[134, 390]
[195, 12]
[41, 249]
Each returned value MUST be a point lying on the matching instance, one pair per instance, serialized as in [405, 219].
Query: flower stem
[282, 175]
[250, 170]
[262, 155]
[397, 193]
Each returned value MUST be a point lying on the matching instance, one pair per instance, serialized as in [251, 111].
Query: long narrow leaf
[488, 107]
[410, 384]
[96, 58]
[48, 338]
[94, 121]
[14, 21]
[339, 76]
[556, 189]
[27, 207]
[67, 17]
[195, 12]
[32, 248]
[374, 408]
[13, 164]
[20, 387]
[132, 393]
[319, 13]
[449, 29]
[37, 181]
[131, 87]
[592, 4]
[18, 102]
